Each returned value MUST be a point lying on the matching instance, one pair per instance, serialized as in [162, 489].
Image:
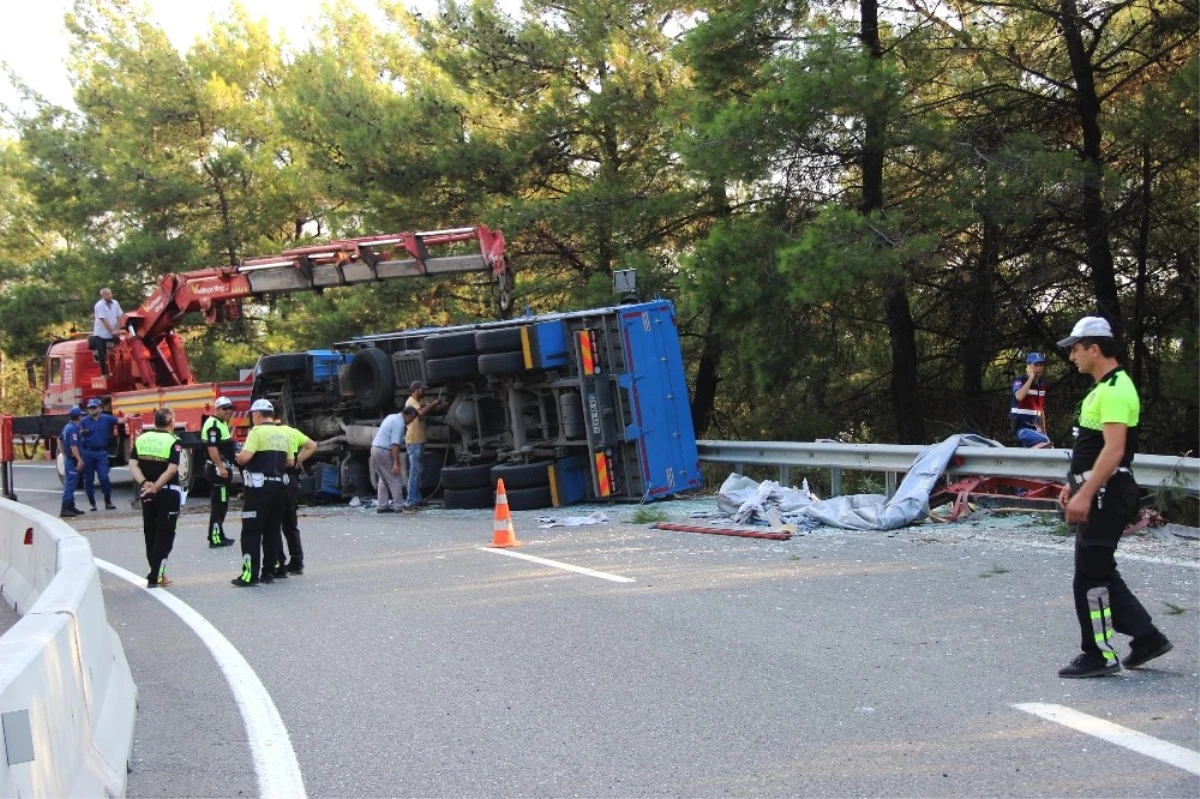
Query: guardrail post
[835, 482]
[741, 468]
[785, 476]
[890, 478]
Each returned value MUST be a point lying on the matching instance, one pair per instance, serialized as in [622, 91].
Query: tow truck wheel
[187, 469]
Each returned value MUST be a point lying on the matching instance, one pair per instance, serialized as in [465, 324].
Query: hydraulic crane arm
[158, 351]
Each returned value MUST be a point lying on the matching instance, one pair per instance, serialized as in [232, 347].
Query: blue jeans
[415, 458]
[1030, 437]
[95, 463]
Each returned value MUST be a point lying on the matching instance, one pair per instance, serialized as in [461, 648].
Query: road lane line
[559, 565]
[39, 490]
[275, 763]
[1139, 742]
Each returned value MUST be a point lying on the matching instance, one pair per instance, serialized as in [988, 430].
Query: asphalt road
[407, 661]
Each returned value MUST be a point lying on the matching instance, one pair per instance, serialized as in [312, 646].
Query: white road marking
[39, 490]
[559, 565]
[1139, 742]
[275, 762]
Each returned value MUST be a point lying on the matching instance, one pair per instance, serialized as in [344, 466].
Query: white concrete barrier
[67, 698]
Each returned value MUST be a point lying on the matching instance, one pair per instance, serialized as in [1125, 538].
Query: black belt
[97, 449]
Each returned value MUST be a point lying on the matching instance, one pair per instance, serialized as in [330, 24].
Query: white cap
[224, 402]
[1088, 327]
[263, 406]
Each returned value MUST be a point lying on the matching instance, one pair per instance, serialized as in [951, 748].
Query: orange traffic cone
[505, 535]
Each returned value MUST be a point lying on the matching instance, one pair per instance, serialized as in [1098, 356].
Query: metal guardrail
[1150, 471]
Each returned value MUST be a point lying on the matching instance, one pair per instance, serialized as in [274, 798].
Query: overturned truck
[565, 408]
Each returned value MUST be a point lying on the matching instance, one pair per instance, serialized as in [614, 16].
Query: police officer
[1101, 498]
[303, 448]
[266, 457]
[219, 469]
[154, 465]
[72, 463]
[95, 431]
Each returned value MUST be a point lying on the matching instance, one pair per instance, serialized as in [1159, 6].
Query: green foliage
[718, 148]
[645, 515]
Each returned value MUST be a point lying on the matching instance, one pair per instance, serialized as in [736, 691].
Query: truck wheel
[504, 339]
[522, 475]
[287, 364]
[468, 498]
[529, 498]
[371, 378]
[442, 370]
[187, 469]
[449, 345]
[457, 478]
[502, 363]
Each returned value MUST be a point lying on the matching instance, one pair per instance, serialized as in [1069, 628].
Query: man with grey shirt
[389, 461]
[107, 315]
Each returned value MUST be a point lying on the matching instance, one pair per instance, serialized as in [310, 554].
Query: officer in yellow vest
[219, 469]
[154, 465]
[265, 457]
[303, 448]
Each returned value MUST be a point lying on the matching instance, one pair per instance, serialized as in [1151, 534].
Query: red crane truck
[148, 366]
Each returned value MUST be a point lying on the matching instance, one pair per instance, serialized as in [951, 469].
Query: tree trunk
[1143, 257]
[705, 397]
[981, 309]
[906, 405]
[1095, 220]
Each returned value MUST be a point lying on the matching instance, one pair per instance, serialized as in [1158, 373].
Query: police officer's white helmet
[263, 406]
[224, 402]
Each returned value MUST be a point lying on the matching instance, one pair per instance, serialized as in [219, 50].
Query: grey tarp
[860, 511]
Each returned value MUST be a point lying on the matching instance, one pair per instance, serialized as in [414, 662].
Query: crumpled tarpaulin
[747, 500]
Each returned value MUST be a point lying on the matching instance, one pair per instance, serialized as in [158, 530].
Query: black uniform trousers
[291, 528]
[262, 520]
[1103, 602]
[160, 514]
[218, 504]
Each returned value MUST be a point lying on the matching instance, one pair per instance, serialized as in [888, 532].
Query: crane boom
[158, 352]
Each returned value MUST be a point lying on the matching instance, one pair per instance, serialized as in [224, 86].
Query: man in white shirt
[388, 463]
[104, 331]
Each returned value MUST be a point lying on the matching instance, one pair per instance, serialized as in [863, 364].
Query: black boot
[68, 512]
[108, 504]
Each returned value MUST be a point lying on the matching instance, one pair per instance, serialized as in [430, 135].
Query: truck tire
[440, 371]
[449, 345]
[469, 498]
[529, 498]
[522, 475]
[291, 363]
[457, 478]
[497, 364]
[371, 378]
[187, 468]
[504, 339]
